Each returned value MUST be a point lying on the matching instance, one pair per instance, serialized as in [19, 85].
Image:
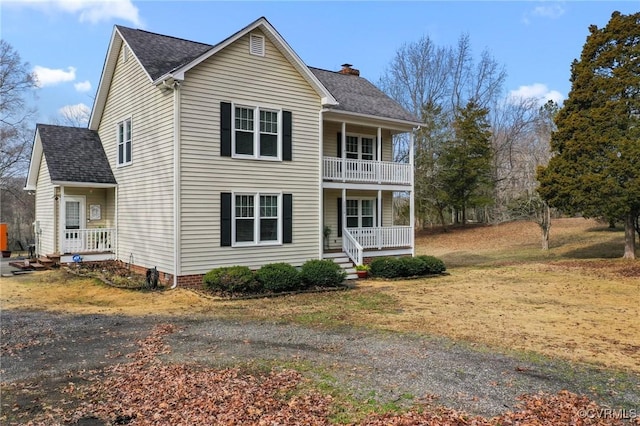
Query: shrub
[279, 277]
[322, 273]
[412, 266]
[232, 279]
[385, 267]
[433, 265]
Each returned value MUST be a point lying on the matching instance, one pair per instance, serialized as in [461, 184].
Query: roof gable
[164, 58]
[73, 154]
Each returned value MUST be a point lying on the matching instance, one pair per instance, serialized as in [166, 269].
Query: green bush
[433, 265]
[232, 279]
[322, 273]
[386, 267]
[412, 266]
[279, 277]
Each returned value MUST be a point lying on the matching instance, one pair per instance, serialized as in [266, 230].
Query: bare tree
[16, 82]
[74, 116]
[16, 134]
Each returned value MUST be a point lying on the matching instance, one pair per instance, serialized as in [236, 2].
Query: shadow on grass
[602, 250]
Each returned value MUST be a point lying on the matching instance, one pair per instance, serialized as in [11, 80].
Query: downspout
[412, 202]
[176, 181]
[320, 185]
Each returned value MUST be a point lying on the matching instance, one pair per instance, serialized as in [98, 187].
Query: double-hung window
[361, 213]
[257, 132]
[124, 142]
[257, 219]
[360, 147]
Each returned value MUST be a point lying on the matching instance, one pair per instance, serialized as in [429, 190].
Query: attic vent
[256, 44]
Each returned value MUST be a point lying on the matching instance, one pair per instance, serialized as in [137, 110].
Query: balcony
[366, 171]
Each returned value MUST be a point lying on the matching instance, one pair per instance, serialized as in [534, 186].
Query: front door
[74, 220]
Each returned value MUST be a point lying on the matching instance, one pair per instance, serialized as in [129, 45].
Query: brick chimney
[346, 69]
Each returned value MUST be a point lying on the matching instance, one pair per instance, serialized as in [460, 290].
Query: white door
[74, 221]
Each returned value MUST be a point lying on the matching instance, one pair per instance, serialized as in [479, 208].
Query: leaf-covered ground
[146, 391]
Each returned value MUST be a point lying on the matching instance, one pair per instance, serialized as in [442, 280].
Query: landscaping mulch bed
[113, 273]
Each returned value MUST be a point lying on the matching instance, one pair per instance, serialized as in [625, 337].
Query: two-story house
[198, 156]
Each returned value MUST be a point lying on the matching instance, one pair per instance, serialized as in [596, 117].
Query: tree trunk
[629, 237]
[545, 225]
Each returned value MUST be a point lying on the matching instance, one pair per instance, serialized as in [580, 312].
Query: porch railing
[351, 247]
[89, 240]
[382, 237]
[366, 171]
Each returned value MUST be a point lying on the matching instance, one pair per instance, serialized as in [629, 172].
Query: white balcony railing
[366, 171]
[382, 237]
[356, 240]
[88, 240]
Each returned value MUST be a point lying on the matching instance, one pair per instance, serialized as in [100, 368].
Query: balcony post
[412, 217]
[379, 155]
[344, 211]
[343, 142]
[379, 227]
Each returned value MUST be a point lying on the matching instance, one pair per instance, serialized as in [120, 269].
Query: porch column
[412, 218]
[61, 221]
[344, 211]
[379, 155]
[379, 213]
[343, 142]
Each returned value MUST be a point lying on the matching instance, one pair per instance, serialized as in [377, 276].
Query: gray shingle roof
[356, 94]
[160, 54]
[74, 154]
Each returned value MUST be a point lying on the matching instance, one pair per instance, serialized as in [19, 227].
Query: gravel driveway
[45, 347]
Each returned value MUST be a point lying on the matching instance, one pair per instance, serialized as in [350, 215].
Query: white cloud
[547, 10]
[75, 115]
[51, 77]
[92, 11]
[553, 11]
[537, 91]
[83, 86]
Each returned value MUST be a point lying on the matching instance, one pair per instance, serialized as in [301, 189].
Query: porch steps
[344, 262]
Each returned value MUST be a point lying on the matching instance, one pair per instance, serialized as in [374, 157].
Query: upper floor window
[260, 140]
[255, 132]
[360, 147]
[124, 142]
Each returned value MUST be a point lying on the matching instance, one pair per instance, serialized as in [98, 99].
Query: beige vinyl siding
[331, 130]
[145, 187]
[233, 75]
[46, 207]
[331, 210]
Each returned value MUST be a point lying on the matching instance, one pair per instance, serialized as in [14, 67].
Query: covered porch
[86, 223]
[360, 223]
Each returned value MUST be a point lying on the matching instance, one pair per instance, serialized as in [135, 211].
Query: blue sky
[65, 41]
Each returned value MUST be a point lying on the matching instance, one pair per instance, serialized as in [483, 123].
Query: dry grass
[571, 302]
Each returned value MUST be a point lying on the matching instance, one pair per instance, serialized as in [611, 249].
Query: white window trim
[360, 136]
[256, 132]
[256, 219]
[359, 200]
[121, 122]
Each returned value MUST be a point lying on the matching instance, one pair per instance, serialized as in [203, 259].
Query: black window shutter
[339, 217]
[225, 219]
[287, 142]
[287, 218]
[339, 144]
[225, 129]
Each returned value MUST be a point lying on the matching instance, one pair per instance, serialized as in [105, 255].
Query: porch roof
[74, 154]
[359, 96]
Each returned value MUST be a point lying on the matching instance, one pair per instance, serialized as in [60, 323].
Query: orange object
[4, 237]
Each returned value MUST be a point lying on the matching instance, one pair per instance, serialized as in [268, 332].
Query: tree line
[484, 156]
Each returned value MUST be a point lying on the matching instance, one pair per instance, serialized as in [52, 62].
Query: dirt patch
[54, 365]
